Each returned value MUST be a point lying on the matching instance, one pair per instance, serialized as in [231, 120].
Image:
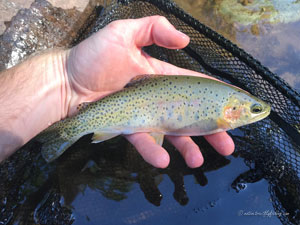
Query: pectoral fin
[99, 136]
[158, 137]
[223, 124]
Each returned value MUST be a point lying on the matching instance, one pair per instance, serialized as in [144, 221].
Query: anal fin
[99, 136]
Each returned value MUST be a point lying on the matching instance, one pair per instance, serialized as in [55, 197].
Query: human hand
[105, 62]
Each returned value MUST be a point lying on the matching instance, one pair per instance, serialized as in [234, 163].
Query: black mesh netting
[270, 147]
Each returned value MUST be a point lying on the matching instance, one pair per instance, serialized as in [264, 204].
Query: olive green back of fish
[173, 105]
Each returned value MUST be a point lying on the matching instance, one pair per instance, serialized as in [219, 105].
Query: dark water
[109, 183]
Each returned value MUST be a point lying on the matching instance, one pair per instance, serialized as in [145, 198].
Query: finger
[188, 149]
[149, 150]
[157, 30]
[222, 142]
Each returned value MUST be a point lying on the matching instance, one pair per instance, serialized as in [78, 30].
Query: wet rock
[249, 12]
[10, 8]
[32, 30]
[255, 29]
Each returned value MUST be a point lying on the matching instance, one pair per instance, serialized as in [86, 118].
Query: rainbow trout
[160, 105]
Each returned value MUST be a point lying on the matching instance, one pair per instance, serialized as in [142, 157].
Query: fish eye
[256, 108]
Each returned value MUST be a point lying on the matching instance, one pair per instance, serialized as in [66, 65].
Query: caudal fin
[54, 148]
[53, 144]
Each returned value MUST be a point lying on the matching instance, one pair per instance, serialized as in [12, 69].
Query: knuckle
[160, 19]
[115, 25]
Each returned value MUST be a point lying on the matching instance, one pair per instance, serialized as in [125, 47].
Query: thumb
[158, 30]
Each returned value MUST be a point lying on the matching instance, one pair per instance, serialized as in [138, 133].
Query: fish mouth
[267, 110]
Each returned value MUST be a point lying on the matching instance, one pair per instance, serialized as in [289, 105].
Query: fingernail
[182, 35]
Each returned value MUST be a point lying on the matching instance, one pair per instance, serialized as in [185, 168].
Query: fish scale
[158, 104]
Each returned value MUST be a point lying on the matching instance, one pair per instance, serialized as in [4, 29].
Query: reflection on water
[111, 183]
[268, 30]
[110, 169]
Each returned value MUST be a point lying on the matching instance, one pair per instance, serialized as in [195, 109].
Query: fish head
[241, 109]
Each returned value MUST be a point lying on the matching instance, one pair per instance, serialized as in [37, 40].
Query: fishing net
[270, 148]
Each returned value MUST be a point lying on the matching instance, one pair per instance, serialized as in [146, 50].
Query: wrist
[55, 90]
[34, 94]
[63, 85]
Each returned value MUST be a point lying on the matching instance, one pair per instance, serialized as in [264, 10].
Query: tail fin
[53, 143]
[54, 148]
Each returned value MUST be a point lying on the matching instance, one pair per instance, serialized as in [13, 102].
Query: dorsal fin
[82, 106]
[140, 79]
